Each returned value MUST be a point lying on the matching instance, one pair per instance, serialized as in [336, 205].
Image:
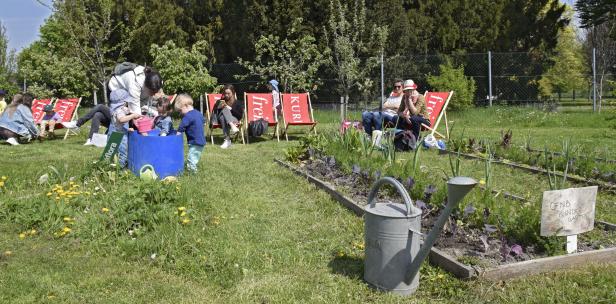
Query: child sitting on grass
[120, 116]
[49, 122]
[163, 121]
[192, 124]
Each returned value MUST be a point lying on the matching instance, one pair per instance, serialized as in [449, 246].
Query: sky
[23, 18]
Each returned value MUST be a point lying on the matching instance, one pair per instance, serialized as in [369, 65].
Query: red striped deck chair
[37, 109]
[297, 111]
[437, 102]
[171, 98]
[211, 100]
[67, 110]
[260, 105]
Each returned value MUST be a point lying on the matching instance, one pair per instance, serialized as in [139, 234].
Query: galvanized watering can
[393, 236]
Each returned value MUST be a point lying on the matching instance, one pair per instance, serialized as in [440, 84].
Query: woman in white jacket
[140, 82]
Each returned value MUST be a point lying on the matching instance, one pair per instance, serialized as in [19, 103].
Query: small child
[163, 121]
[49, 122]
[120, 116]
[192, 124]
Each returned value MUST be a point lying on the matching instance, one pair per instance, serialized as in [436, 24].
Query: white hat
[409, 85]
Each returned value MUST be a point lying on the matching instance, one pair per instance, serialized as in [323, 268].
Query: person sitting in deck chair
[375, 120]
[413, 111]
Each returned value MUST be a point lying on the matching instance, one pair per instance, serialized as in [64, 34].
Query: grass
[258, 233]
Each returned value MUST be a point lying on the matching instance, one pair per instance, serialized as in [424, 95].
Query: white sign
[569, 211]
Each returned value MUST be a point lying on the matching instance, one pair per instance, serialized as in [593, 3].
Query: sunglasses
[397, 87]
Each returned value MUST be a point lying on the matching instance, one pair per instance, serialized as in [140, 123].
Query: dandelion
[66, 230]
[32, 232]
[105, 210]
[482, 182]
[8, 252]
[183, 213]
[67, 219]
[22, 236]
[181, 208]
[340, 254]
[49, 193]
[185, 221]
[4, 178]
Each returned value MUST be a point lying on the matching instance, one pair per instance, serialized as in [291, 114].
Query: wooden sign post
[568, 212]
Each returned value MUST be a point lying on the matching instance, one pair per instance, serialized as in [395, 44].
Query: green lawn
[258, 233]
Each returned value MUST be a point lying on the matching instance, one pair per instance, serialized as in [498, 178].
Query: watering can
[147, 173]
[393, 235]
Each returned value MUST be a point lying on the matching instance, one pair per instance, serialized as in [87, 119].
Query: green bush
[453, 79]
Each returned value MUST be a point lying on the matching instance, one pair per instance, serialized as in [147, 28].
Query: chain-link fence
[512, 78]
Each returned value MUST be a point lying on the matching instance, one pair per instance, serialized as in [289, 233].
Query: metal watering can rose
[393, 236]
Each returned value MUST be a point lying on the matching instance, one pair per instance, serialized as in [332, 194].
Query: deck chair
[297, 111]
[37, 109]
[211, 100]
[67, 109]
[437, 102]
[257, 106]
[171, 98]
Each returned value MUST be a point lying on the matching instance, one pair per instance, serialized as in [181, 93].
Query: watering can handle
[145, 167]
[388, 180]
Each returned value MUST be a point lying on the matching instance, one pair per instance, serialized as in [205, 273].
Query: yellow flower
[1, 183]
[49, 193]
[4, 178]
[183, 213]
[8, 252]
[185, 221]
[482, 182]
[105, 209]
[57, 197]
[66, 230]
[32, 232]
[67, 219]
[340, 254]
[22, 236]
[181, 208]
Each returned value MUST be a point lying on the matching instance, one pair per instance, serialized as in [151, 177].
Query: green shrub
[453, 79]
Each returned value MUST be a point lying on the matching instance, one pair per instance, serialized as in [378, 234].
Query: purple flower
[420, 204]
[409, 183]
[517, 249]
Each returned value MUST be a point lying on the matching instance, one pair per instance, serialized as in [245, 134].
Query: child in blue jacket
[192, 124]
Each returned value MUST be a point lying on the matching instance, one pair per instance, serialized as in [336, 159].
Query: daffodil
[105, 209]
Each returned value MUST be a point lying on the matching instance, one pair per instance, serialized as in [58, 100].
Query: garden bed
[462, 250]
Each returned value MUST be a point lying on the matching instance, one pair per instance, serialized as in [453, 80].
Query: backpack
[405, 141]
[257, 127]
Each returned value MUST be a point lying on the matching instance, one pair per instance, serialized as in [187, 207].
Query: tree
[596, 12]
[294, 61]
[569, 69]
[352, 42]
[451, 78]
[184, 70]
[7, 63]
[601, 39]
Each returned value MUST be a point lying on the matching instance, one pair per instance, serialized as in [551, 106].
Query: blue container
[164, 153]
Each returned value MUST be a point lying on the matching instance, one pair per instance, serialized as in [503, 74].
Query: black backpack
[257, 127]
[405, 141]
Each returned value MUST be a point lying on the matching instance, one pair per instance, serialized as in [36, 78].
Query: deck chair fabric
[211, 100]
[437, 102]
[67, 110]
[171, 98]
[260, 105]
[37, 108]
[297, 111]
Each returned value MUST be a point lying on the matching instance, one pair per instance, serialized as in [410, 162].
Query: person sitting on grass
[163, 121]
[413, 111]
[16, 122]
[121, 116]
[227, 112]
[192, 124]
[48, 122]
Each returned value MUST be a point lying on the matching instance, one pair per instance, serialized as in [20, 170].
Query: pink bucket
[144, 124]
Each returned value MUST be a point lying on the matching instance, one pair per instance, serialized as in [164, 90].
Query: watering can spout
[457, 188]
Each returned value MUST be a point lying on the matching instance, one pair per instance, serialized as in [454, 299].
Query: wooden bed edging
[510, 271]
[437, 257]
[497, 273]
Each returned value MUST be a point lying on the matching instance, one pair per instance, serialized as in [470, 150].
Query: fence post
[201, 103]
[594, 81]
[490, 77]
[382, 83]
[94, 97]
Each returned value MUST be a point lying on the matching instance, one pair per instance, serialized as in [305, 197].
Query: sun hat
[117, 98]
[409, 85]
[274, 84]
[48, 108]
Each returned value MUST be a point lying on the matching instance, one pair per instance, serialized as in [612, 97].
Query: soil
[461, 242]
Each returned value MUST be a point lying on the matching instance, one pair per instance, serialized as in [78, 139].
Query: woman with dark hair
[227, 112]
[141, 82]
[16, 121]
